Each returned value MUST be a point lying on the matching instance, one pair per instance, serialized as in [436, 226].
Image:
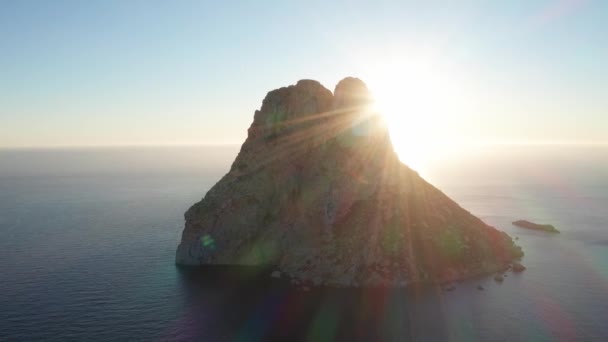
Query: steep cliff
[317, 191]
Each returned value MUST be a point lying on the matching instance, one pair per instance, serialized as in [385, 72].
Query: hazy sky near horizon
[76, 73]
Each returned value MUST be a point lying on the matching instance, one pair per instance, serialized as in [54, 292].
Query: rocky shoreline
[271, 274]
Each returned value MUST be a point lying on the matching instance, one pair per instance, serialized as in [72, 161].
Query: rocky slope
[318, 192]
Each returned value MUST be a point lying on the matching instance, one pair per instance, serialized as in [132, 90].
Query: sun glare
[421, 105]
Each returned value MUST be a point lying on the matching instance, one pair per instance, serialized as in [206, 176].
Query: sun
[421, 105]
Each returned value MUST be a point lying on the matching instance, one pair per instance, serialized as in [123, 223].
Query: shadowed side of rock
[318, 192]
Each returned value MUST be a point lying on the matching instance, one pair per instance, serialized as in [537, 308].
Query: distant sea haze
[88, 238]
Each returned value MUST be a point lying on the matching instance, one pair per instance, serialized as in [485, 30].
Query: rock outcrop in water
[318, 192]
[535, 226]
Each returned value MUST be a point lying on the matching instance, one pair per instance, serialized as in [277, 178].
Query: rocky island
[318, 193]
[535, 226]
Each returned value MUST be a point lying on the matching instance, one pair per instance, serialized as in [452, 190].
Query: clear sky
[76, 73]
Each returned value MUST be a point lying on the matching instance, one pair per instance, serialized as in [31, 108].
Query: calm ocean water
[87, 243]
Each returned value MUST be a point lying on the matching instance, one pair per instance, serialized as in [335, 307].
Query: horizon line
[225, 144]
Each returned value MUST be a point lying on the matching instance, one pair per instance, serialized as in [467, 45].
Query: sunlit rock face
[318, 192]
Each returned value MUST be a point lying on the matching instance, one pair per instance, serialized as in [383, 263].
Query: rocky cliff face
[317, 191]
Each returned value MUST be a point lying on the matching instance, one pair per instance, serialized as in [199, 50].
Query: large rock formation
[317, 191]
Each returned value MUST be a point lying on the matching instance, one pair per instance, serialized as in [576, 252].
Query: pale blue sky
[170, 72]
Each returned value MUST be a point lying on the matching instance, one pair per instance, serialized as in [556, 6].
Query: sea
[88, 239]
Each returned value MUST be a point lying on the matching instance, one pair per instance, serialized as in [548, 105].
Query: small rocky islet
[535, 226]
[318, 194]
